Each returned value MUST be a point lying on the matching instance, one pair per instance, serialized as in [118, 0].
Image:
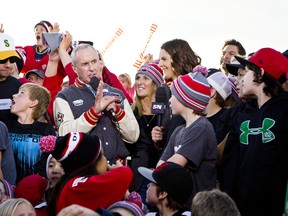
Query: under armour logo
[267, 135]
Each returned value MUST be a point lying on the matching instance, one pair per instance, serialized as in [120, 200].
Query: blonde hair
[127, 78]
[213, 203]
[9, 207]
[40, 93]
[137, 100]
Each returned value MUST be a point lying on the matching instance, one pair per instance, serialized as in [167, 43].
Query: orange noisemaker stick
[115, 37]
[138, 62]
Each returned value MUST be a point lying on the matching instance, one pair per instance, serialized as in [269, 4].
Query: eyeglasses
[11, 59]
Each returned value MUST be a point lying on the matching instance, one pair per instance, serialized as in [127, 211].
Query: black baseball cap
[173, 178]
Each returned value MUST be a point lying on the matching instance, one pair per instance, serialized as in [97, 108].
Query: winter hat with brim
[152, 71]
[192, 90]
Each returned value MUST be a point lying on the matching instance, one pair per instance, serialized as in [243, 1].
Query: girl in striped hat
[6, 190]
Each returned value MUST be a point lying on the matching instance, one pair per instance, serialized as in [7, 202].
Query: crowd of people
[75, 139]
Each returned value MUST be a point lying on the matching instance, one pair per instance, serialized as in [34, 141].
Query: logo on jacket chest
[78, 102]
[267, 134]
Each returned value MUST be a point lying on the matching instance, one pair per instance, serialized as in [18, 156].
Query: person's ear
[213, 92]
[262, 71]
[163, 195]
[34, 103]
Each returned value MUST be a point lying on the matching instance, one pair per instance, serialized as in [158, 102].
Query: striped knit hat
[9, 191]
[192, 90]
[152, 71]
[76, 150]
[130, 206]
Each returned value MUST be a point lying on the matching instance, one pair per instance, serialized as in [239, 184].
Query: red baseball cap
[272, 61]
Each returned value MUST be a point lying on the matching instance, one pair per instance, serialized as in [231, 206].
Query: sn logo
[157, 106]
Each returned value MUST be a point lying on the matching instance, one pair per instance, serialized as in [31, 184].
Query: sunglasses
[11, 59]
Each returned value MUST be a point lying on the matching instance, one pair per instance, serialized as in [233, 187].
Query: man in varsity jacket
[95, 108]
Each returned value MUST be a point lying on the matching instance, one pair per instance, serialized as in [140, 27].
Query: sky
[205, 24]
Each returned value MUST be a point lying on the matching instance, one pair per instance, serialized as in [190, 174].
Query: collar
[78, 83]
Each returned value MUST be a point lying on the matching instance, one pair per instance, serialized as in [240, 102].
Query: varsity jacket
[73, 112]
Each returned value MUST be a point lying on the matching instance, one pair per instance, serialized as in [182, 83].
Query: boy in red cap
[256, 164]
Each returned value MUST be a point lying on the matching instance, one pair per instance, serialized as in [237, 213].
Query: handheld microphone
[159, 106]
[94, 83]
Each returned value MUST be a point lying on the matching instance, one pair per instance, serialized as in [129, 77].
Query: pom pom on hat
[135, 197]
[192, 90]
[47, 143]
[201, 69]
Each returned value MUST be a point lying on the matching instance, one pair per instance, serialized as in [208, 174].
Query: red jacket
[96, 191]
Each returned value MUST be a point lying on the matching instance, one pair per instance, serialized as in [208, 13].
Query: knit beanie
[130, 206]
[192, 90]
[75, 151]
[152, 71]
[9, 191]
[32, 188]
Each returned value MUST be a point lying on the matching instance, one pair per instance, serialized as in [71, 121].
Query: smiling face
[165, 61]
[143, 85]
[228, 52]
